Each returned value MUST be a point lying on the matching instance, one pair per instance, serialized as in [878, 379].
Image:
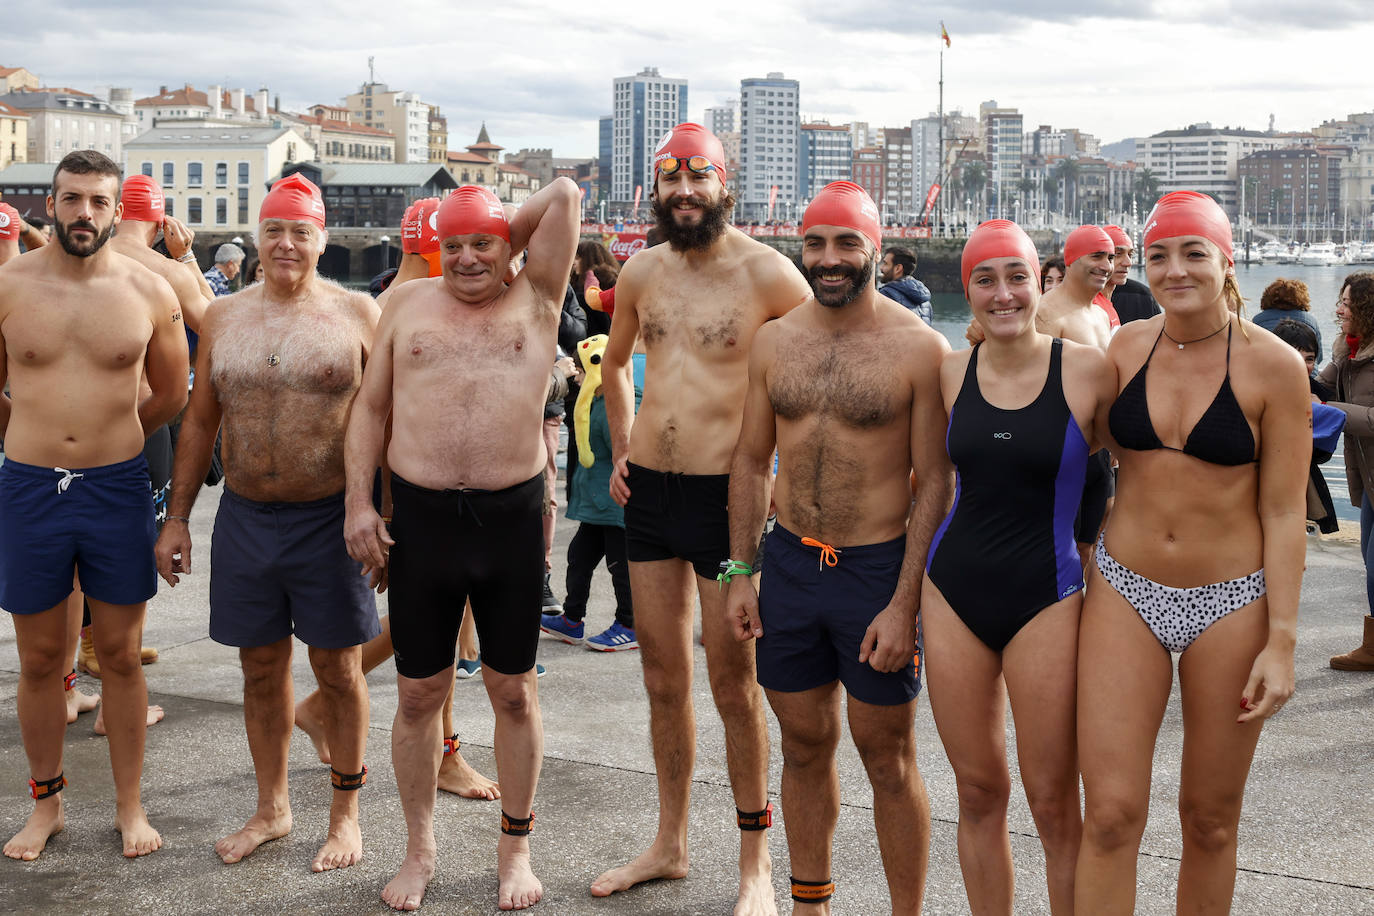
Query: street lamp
[386, 253]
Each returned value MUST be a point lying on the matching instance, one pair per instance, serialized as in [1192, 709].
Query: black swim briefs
[680, 516]
[456, 545]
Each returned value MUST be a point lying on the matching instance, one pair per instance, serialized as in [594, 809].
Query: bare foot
[139, 836]
[342, 848]
[407, 889]
[155, 714]
[756, 895]
[258, 830]
[653, 864]
[456, 775]
[310, 721]
[518, 888]
[78, 702]
[44, 823]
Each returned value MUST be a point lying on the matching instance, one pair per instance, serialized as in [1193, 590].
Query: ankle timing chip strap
[755, 820]
[812, 891]
[451, 744]
[348, 782]
[517, 826]
[70, 680]
[40, 789]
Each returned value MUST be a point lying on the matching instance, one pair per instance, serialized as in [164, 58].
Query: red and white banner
[931, 196]
[639, 189]
[623, 244]
[772, 199]
[634, 231]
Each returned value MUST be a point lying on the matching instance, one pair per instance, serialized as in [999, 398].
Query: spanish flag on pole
[943, 33]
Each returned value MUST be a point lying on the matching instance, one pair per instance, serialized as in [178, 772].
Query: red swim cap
[142, 199]
[294, 198]
[998, 238]
[688, 140]
[471, 210]
[1190, 213]
[843, 203]
[1119, 237]
[1086, 240]
[420, 228]
[9, 223]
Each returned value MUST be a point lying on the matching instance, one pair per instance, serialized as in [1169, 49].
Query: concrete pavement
[1305, 839]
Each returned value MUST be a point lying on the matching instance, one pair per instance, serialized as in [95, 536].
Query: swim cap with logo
[1118, 236]
[843, 203]
[294, 198]
[419, 227]
[472, 210]
[1190, 213]
[688, 140]
[142, 199]
[9, 223]
[997, 238]
[1086, 240]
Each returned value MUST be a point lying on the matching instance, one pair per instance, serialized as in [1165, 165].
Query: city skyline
[547, 81]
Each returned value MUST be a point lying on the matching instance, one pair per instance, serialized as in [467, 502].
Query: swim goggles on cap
[696, 163]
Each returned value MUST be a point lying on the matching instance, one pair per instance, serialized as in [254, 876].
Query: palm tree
[1067, 172]
[1146, 190]
[974, 178]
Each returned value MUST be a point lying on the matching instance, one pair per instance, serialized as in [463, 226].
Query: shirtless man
[279, 364]
[1074, 310]
[78, 326]
[1130, 298]
[462, 366]
[419, 259]
[696, 303]
[847, 388]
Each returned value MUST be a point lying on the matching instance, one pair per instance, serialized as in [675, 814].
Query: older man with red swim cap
[1131, 299]
[462, 366]
[837, 613]
[696, 304]
[277, 369]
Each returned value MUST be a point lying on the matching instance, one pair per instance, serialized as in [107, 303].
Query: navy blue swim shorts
[814, 618]
[97, 522]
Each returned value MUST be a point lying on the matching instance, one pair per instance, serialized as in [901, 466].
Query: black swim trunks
[678, 516]
[456, 545]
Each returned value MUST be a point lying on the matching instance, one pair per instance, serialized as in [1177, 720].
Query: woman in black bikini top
[1202, 556]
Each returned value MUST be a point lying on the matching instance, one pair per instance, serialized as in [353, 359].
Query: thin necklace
[1184, 343]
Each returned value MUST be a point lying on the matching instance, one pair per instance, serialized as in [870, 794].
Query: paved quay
[1305, 842]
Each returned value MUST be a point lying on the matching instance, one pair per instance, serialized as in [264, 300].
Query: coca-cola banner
[631, 239]
[623, 244]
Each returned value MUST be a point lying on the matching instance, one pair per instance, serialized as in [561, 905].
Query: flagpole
[940, 170]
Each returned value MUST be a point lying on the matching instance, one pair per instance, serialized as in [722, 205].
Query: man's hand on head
[178, 237]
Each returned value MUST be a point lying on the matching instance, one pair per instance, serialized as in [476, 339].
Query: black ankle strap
[755, 820]
[812, 891]
[40, 789]
[348, 782]
[517, 826]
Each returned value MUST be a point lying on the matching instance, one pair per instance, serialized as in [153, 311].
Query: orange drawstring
[829, 555]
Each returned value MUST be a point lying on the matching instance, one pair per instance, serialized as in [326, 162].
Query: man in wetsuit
[696, 304]
[462, 366]
[279, 364]
[847, 388]
[81, 325]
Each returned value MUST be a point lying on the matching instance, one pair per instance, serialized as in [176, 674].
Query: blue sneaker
[468, 667]
[557, 625]
[615, 638]
[540, 671]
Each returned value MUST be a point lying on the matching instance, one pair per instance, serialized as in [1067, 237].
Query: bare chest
[108, 333]
[312, 353]
[711, 314]
[856, 381]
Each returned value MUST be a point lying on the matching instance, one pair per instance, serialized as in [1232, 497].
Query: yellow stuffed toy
[589, 354]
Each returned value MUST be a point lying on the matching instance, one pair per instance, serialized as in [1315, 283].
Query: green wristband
[731, 568]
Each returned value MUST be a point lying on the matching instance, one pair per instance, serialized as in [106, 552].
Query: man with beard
[1130, 298]
[898, 273]
[847, 389]
[279, 364]
[81, 324]
[696, 304]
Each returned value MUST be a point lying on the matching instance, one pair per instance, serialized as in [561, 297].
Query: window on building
[221, 211]
[243, 206]
[243, 173]
[221, 174]
[194, 178]
[169, 174]
[167, 206]
[193, 215]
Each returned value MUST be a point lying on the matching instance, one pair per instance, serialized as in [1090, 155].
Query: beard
[78, 249]
[698, 236]
[859, 278]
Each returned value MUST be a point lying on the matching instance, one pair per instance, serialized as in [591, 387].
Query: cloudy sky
[539, 73]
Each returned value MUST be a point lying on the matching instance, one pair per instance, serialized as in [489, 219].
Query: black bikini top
[1221, 436]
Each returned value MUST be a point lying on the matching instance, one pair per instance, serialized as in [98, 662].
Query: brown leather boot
[1362, 658]
[85, 654]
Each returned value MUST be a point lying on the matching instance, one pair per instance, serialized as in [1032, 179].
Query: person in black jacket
[897, 271]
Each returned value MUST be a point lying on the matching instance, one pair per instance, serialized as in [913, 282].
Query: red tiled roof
[190, 96]
[454, 156]
[7, 71]
[344, 126]
[11, 112]
[65, 89]
[485, 146]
